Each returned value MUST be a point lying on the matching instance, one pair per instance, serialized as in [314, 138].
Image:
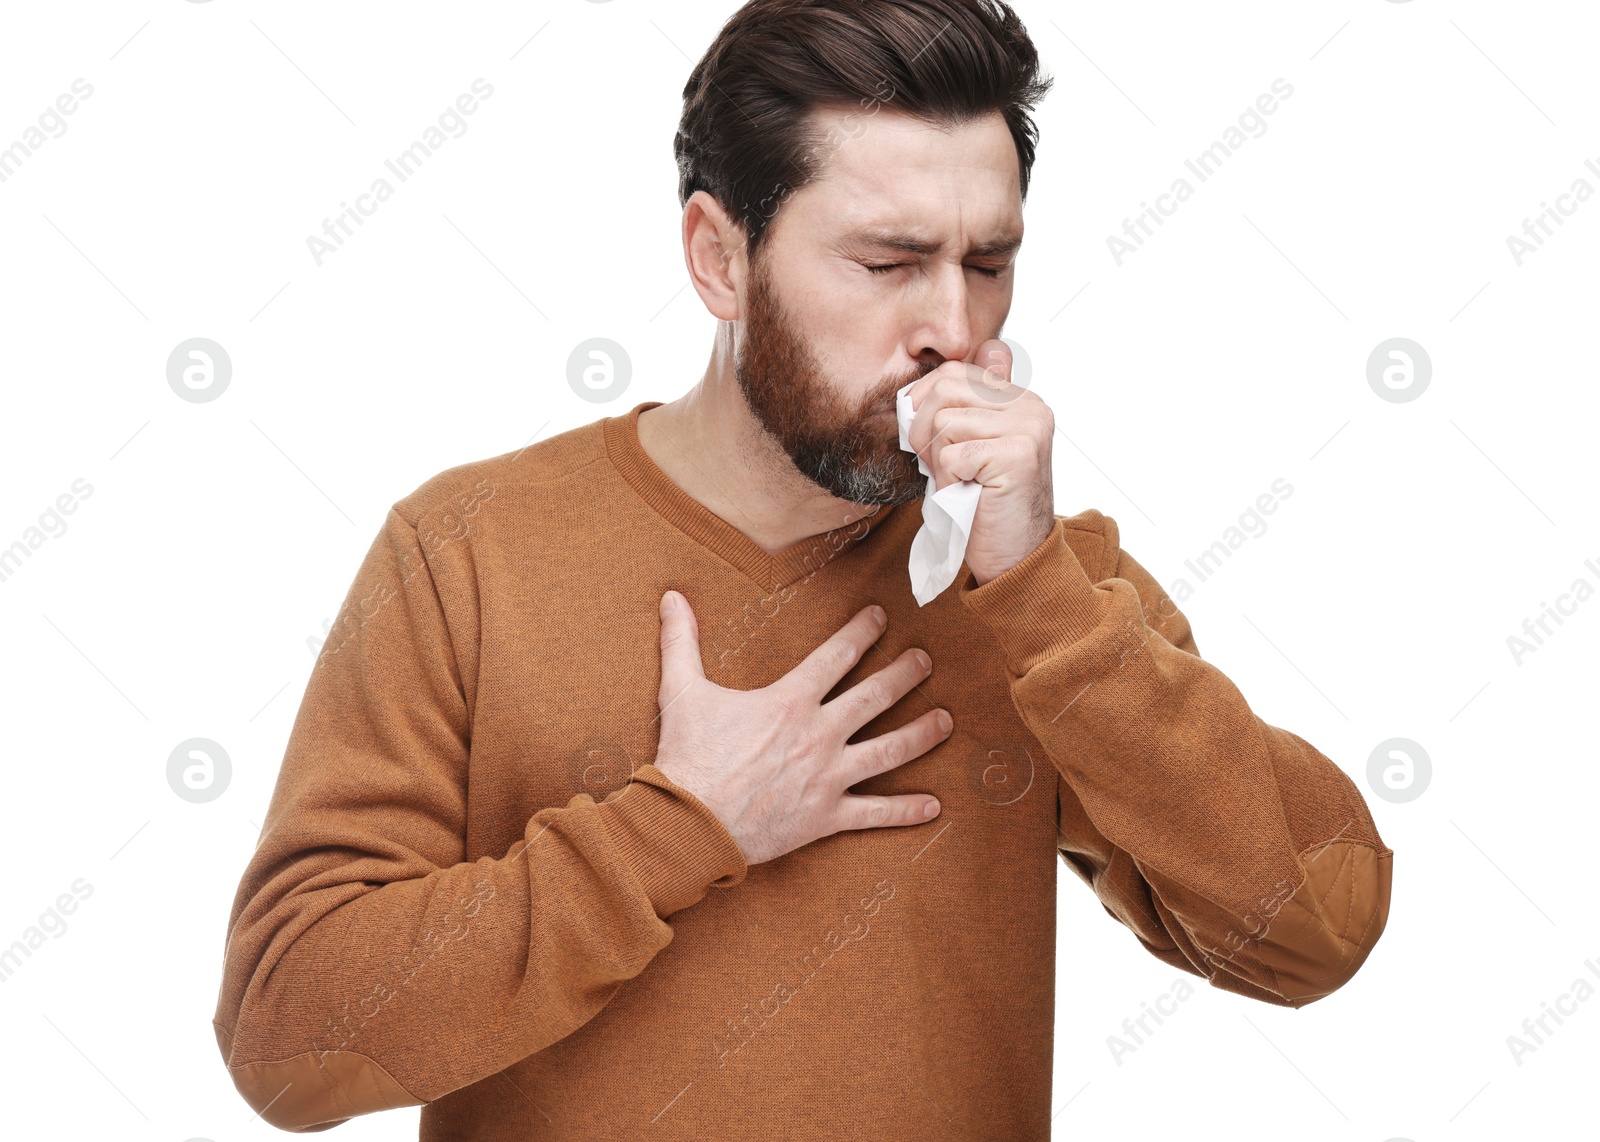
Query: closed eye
[883, 269]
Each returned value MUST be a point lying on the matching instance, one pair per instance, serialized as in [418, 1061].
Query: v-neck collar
[713, 532]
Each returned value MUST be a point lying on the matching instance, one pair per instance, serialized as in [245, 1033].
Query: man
[576, 688]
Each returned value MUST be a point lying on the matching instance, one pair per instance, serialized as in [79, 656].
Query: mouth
[891, 425]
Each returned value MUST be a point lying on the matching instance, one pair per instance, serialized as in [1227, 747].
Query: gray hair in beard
[870, 479]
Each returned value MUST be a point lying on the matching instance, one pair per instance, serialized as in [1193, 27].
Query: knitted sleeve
[369, 964]
[1232, 849]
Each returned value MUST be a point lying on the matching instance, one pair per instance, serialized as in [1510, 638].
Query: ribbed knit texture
[472, 875]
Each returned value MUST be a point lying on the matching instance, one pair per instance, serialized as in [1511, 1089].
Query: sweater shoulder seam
[440, 493]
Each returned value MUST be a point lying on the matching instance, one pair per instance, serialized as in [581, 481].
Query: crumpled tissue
[940, 546]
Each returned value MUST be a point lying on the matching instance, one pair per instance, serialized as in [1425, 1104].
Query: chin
[880, 495]
[884, 476]
[907, 494]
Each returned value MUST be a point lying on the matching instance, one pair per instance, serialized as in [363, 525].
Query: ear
[714, 252]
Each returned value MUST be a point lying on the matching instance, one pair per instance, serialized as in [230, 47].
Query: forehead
[884, 169]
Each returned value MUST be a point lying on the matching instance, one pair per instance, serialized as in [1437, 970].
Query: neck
[711, 445]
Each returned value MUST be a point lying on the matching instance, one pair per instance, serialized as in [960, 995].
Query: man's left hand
[972, 423]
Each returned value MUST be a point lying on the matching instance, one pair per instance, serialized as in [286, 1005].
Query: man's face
[825, 342]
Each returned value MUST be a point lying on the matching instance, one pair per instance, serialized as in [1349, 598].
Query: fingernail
[878, 616]
[669, 602]
[922, 659]
[944, 721]
[932, 809]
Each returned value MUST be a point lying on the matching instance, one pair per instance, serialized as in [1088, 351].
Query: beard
[849, 449]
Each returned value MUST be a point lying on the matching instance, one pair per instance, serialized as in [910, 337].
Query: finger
[680, 647]
[886, 751]
[994, 356]
[821, 670]
[954, 423]
[952, 383]
[1001, 462]
[967, 386]
[959, 424]
[871, 811]
[872, 696]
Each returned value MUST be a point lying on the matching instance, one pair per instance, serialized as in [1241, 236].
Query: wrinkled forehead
[887, 171]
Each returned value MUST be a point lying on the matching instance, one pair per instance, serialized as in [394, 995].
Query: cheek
[852, 335]
[846, 350]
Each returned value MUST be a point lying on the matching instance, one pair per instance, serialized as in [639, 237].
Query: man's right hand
[773, 764]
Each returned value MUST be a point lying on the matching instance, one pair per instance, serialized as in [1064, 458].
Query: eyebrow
[911, 244]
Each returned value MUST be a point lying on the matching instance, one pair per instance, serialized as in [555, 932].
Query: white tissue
[941, 545]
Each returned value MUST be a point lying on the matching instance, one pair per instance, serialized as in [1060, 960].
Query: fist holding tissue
[984, 445]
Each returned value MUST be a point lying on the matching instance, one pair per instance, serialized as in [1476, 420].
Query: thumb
[994, 357]
[680, 647]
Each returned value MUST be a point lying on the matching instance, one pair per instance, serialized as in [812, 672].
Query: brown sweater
[475, 893]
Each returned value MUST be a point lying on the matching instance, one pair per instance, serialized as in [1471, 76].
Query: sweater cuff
[673, 842]
[1041, 606]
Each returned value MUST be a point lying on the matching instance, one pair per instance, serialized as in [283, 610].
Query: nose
[944, 306]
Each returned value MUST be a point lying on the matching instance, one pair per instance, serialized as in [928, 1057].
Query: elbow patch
[317, 1090]
[1322, 935]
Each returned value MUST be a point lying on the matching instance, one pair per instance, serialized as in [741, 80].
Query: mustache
[882, 399]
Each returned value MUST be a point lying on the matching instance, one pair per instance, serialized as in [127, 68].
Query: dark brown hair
[745, 137]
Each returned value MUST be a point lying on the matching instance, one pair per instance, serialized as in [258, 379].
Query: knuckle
[928, 739]
[790, 707]
[780, 702]
[844, 653]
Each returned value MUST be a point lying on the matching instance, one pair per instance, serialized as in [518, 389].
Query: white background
[1229, 351]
